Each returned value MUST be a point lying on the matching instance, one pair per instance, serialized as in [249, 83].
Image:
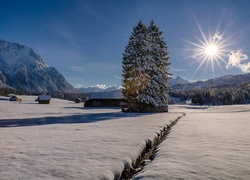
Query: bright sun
[211, 50]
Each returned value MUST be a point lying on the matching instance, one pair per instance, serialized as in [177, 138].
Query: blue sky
[85, 39]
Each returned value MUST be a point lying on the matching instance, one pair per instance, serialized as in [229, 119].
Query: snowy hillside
[22, 69]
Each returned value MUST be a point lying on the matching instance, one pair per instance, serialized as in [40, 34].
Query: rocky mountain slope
[22, 69]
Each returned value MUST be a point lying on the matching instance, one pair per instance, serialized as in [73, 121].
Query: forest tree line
[223, 95]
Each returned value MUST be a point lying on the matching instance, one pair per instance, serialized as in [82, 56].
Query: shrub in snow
[145, 70]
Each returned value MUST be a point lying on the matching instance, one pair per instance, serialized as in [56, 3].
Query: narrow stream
[148, 154]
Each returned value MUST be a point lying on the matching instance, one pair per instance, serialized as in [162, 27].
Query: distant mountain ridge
[98, 88]
[92, 89]
[22, 69]
[227, 80]
[179, 83]
[178, 80]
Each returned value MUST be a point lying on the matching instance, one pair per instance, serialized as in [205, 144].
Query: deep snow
[212, 143]
[63, 140]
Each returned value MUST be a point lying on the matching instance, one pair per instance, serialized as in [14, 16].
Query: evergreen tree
[145, 69]
[133, 62]
[157, 90]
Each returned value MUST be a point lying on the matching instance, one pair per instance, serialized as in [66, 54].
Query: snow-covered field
[212, 143]
[63, 140]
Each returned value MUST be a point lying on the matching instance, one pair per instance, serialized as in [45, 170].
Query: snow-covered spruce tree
[145, 72]
[134, 77]
[158, 62]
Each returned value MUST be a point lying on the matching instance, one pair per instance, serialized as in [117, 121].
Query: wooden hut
[44, 99]
[102, 99]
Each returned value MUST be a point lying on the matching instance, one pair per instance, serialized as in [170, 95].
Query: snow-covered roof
[107, 95]
[44, 97]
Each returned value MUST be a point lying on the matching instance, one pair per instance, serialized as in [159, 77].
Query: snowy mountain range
[179, 83]
[98, 88]
[22, 69]
[104, 88]
[227, 80]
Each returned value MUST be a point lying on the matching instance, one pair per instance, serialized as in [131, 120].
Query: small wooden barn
[44, 99]
[105, 99]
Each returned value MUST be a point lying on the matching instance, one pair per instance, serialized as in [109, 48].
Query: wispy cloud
[63, 30]
[93, 11]
[95, 66]
[58, 54]
[218, 36]
[77, 68]
[239, 60]
[117, 77]
[178, 70]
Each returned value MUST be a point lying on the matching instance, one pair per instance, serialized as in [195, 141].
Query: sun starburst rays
[209, 50]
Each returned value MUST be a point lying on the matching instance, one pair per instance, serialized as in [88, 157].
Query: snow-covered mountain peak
[23, 69]
[97, 88]
[15, 53]
[178, 80]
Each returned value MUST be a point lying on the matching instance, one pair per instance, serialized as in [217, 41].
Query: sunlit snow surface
[63, 140]
[212, 143]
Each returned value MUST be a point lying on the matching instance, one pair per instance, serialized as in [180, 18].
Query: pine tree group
[145, 70]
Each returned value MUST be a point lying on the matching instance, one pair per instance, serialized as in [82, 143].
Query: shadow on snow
[73, 119]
